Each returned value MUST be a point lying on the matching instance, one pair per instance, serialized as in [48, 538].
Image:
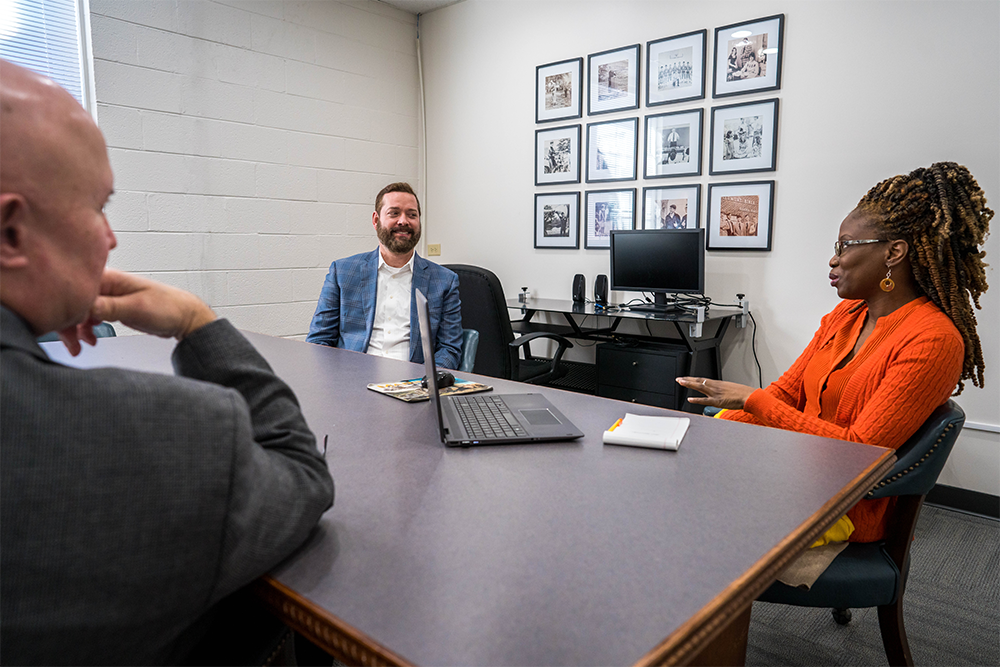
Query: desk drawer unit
[641, 374]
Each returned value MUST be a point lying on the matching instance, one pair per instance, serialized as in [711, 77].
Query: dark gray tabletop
[569, 553]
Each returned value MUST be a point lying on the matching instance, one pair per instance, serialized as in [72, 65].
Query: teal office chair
[470, 344]
[874, 575]
[102, 330]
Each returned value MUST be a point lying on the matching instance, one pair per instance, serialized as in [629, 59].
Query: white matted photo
[673, 207]
[673, 144]
[613, 80]
[611, 150]
[744, 138]
[557, 220]
[607, 210]
[748, 56]
[557, 155]
[559, 90]
[740, 215]
[675, 68]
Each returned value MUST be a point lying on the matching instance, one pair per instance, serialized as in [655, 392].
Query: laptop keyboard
[487, 417]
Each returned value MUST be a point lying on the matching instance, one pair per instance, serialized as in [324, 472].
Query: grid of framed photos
[744, 58]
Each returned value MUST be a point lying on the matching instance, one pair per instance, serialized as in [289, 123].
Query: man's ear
[13, 231]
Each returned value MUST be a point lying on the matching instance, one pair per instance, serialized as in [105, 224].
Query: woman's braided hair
[941, 212]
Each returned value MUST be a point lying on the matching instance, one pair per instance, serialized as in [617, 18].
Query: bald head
[54, 181]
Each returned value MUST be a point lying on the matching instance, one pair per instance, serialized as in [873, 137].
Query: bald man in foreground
[130, 503]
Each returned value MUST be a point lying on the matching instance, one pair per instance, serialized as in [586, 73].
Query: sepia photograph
[559, 90]
[613, 80]
[740, 215]
[744, 138]
[557, 155]
[607, 210]
[748, 56]
[557, 220]
[671, 208]
[675, 68]
[673, 144]
[611, 150]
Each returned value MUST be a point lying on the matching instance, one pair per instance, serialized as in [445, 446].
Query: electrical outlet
[433, 249]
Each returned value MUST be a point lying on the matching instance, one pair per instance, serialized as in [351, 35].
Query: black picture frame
[611, 150]
[606, 210]
[748, 56]
[656, 203]
[673, 144]
[749, 206]
[559, 91]
[744, 138]
[557, 220]
[613, 80]
[675, 68]
[557, 155]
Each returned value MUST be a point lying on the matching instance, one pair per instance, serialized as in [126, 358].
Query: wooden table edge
[686, 644]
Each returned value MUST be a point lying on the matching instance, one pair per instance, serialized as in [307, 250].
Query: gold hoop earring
[887, 283]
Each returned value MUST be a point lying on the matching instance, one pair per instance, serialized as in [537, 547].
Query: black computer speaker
[579, 288]
[601, 290]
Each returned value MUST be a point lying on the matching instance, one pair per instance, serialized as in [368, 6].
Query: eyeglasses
[838, 246]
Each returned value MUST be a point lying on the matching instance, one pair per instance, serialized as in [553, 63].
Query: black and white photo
[557, 220]
[673, 144]
[557, 155]
[748, 56]
[613, 80]
[740, 215]
[607, 210]
[611, 150]
[675, 68]
[673, 207]
[744, 138]
[559, 91]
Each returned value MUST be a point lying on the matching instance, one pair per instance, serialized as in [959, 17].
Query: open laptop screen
[430, 368]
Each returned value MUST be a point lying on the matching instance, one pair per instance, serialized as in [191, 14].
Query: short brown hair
[395, 187]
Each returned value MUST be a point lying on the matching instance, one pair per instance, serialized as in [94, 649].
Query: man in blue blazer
[367, 302]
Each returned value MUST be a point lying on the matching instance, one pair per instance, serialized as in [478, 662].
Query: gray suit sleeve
[280, 485]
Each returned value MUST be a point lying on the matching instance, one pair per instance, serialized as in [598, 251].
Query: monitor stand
[659, 305]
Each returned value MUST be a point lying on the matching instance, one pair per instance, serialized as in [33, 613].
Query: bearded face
[399, 237]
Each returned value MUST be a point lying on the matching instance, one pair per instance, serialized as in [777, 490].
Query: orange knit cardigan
[909, 365]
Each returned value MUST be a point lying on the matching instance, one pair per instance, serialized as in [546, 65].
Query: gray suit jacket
[130, 502]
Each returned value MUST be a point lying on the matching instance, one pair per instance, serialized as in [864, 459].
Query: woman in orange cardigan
[907, 264]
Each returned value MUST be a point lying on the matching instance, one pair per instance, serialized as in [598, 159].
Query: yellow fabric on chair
[838, 532]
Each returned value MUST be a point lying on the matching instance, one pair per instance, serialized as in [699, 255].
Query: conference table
[567, 553]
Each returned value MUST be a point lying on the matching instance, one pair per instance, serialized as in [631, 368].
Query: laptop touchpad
[540, 417]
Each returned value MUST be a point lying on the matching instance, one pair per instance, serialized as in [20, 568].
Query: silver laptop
[487, 418]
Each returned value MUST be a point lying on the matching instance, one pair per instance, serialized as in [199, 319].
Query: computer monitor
[659, 261]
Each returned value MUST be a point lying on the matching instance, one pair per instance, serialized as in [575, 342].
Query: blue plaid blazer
[345, 313]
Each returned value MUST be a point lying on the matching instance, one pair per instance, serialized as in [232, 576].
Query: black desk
[638, 368]
[558, 554]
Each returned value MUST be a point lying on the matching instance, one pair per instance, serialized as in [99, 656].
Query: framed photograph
[673, 144]
[557, 220]
[557, 155]
[611, 150]
[559, 90]
[748, 56]
[740, 215]
[607, 210]
[744, 138]
[675, 68]
[613, 80]
[674, 207]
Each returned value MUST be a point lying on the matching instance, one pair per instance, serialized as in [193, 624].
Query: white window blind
[50, 37]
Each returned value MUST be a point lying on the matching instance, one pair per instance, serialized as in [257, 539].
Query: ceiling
[420, 6]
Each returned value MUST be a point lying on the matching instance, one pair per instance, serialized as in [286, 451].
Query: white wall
[869, 90]
[248, 141]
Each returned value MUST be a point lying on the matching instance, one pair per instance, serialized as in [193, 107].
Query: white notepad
[645, 431]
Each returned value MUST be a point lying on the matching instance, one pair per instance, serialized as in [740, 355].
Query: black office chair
[470, 344]
[485, 310]
[874, 574]
[102, 330]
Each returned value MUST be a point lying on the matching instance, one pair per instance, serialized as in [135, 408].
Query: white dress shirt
[391, 330]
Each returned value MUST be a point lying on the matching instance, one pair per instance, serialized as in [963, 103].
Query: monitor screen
[658, 261]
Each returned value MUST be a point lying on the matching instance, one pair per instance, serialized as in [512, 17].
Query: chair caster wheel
[842, 616]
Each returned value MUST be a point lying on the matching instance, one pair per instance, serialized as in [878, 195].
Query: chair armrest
[527, 338]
